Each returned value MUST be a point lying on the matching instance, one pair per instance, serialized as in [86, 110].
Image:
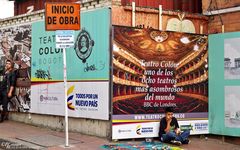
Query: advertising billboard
[153, 70]
[87, 67]
[83, 100]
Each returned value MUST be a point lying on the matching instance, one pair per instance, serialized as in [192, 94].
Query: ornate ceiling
[150, 44]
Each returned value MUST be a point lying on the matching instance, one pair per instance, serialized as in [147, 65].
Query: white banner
[195, 126]
[150, 129]
[85, 99]
[48, 99]
[90, 100]
[135, 130]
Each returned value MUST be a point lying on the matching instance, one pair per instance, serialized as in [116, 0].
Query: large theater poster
[153, 70]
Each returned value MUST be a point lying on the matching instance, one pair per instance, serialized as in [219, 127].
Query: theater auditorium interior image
[154, 69]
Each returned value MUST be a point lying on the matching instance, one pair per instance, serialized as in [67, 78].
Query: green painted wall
[218, 83]
[48, 60]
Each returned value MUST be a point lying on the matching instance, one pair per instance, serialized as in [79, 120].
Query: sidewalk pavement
[15, 135]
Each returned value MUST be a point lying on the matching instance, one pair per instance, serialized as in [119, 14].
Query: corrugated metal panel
[177, 5]
[127, 2]
[20, 7]
[193, 6]
[163, 3]
[170, 5]
[185, 5]
[150, 3]
[142, 3]
[41, 4]
[123, 2]
[157, 2]
[136, 2]
[198, 6]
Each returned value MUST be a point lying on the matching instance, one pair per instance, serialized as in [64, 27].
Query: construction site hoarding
[153, 70]
[224, 83]
[87, 69]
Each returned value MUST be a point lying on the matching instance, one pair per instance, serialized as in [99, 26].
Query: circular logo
[83, 45]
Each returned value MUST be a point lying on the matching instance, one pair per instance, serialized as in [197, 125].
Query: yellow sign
[62, 16]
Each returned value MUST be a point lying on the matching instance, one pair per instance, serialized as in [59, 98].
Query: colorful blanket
[140, 146]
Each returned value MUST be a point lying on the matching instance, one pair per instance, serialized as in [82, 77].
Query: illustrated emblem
[83, 45]
[70, 98]
[138, 129]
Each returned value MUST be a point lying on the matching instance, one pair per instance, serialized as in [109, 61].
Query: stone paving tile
[46, 140]
[15, 131]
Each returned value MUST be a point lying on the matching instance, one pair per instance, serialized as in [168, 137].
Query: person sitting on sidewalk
[169, 130]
